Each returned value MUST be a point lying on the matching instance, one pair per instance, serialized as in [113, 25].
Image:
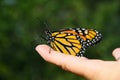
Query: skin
[91, 69]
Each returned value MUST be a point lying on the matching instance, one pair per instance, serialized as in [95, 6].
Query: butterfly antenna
[47, 27]
[43, 38]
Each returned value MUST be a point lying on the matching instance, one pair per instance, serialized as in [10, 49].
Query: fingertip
[116, 53]
[42, 49]
[37, 47]
[40, 46]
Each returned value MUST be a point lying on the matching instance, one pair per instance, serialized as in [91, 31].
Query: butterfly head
[49, 36]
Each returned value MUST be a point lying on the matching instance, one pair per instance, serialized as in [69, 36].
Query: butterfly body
[73, 41]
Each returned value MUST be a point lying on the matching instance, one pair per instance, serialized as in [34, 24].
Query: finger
[52, 56]
[65, 61]
[78, 65]
[116, 54]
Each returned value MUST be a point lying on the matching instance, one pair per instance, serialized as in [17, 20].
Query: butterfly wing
[90, 36]
[67, 43]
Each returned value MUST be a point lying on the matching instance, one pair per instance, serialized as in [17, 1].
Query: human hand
[91, 69]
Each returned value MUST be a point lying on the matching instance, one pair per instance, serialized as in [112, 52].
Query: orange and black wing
[67, 43]
[90, 36]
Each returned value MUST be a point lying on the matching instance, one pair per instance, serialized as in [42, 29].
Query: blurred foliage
[20, 25]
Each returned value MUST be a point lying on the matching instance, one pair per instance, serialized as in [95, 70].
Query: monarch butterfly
[72, 41]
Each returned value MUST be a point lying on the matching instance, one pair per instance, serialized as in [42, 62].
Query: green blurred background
[20, 27]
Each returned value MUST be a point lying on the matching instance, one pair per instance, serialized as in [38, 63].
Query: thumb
[116, 54]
